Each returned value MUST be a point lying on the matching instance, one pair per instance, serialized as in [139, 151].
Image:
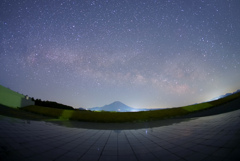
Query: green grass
[21, 114]
[10, 98]
[13, 99]
[62, 114]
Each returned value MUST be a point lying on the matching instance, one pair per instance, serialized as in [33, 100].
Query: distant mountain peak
[117, 103]
[115, 106]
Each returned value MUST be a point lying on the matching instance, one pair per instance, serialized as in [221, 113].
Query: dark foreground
[213, 137]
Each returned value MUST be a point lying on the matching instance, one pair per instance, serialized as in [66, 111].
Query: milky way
[146, 54]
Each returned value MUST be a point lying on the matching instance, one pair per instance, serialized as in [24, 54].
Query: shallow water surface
[214, 137]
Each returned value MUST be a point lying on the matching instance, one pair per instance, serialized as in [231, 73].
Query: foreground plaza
[214, 138]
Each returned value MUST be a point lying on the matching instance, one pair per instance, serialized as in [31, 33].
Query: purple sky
[146, 54]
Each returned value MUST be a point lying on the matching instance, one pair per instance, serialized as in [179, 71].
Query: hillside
[13, 99]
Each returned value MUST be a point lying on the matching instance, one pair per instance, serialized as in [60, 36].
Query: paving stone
[213, 137]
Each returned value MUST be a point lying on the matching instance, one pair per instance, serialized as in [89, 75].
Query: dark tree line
[39, 102]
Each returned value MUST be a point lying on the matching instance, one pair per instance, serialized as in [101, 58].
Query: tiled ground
[210, 138]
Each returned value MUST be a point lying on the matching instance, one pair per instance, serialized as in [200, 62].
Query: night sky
[144, 53]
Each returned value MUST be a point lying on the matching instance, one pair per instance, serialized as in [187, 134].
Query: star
[148, 54]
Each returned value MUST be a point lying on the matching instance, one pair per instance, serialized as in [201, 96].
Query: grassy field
[21, 114]
[125, 116]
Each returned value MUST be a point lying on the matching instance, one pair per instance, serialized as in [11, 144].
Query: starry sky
[144, 53]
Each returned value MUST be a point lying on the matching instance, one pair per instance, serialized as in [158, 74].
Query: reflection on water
[117, 131]
[166, 139]
[119, 126]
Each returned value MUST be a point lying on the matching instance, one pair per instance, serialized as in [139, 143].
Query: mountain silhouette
[115, 106]
[225, 95]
